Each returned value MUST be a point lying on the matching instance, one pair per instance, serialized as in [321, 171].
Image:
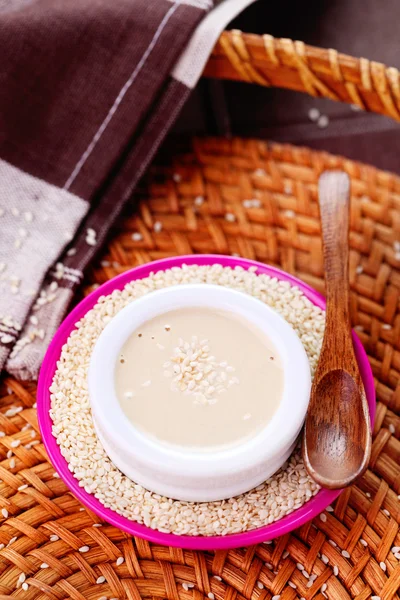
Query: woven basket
[350, 552]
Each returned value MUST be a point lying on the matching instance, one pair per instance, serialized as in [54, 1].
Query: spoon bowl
[336, 440]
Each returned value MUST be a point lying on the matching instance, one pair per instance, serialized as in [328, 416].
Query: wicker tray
[350, 552]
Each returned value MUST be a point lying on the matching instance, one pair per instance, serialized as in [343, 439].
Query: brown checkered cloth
[88, 90]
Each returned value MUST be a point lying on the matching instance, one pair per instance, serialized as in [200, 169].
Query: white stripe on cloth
[191, 64]
[120, 97]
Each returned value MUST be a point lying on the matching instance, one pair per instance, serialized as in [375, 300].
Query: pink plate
[268, 532]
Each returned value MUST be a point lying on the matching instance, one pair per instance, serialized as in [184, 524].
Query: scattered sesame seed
[34, 320]
[329, 508]
[324, 558]
[323, 517]
[276, 597]
[211, 596]
[230, 217]
[363, 542]
[15, 443]
[375, 598]
[336, 570]
[21, 578]
[285, 554]
[199, 200]
[54, 538]
[177, 177]
[71, 252]
[395, 549]
[100, 579]
[84, 549]
[300, 567]
[323, 121]
[22, 487]
[290, 214]
[120, 560]
[185, 586]
[157, 227]
[25, 586]
[345, 554]
[368, 494]
[386, 512]
[359, 269]
[392, 428]
[323, 587]
[314, 114]
[292, 585]
[260, 585]
[44, 566]
[136, 236]
[386, 326]
[382, 566]
[4, 512]
[12, 463]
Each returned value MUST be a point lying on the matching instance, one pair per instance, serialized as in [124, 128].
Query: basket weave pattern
[197, 197]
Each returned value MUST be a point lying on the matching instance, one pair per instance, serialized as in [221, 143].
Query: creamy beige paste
[199, 378]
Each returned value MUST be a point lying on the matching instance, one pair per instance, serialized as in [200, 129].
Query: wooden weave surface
[196, 202]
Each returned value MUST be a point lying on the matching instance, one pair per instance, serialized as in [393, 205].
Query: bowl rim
[266, 446]
[265, 533]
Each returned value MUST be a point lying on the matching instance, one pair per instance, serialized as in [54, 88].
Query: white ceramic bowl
[194, 475]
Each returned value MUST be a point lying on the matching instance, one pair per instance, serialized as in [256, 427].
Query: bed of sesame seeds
[73, 428]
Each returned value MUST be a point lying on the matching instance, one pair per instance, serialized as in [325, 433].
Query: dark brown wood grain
[337, 434]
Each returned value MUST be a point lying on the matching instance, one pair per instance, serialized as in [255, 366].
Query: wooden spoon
[337, 432]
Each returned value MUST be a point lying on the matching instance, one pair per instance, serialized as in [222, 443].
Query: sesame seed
[324, 558]
[120, 560]
[136, 236]
[359, 269]
[260, 585]
[292, 585]
[386, 512]
[157, 227]
[300, 567]
[25, 586]
[314, 114]
[363, 542]
[392, 428]
[230, 217]
[21, 578]
[185, 586]
[15, 443]
[44, 566]
[382, 566]
[22, 487]
[357, 108]
[54, 538]
[12, 463]
[329, 508]
[345, 554]
[323, 587]
[71, 252]
[336, 571]
[100, 579]
[176, 177]
[199, 200]
[375, 598]
[211, 596]
[323, 121]
[4, 512]
[323, 517]
[276, 597]
[84, 549]
[395, 549]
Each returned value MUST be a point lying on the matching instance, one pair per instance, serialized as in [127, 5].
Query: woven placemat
[200, 202]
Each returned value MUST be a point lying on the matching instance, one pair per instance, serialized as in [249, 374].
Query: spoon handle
[334, 206]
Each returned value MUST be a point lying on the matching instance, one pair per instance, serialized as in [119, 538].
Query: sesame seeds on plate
[282, 494]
